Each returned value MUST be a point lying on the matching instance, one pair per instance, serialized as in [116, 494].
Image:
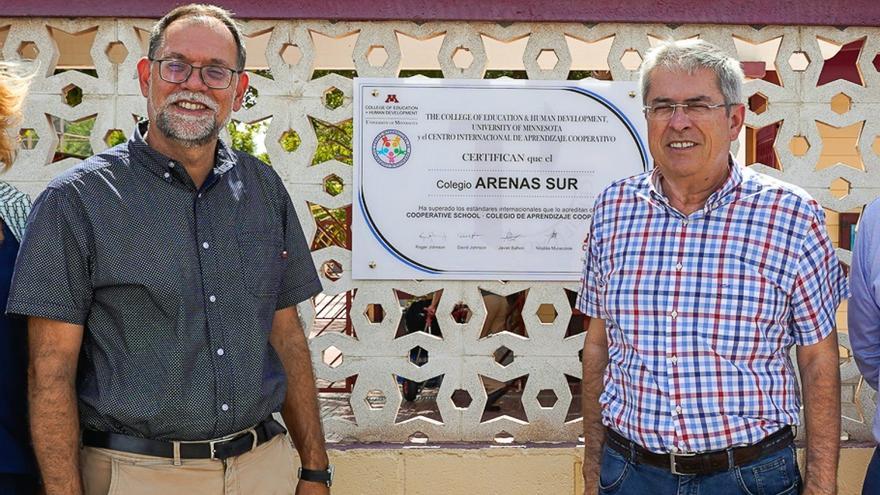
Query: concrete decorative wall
[294, 100]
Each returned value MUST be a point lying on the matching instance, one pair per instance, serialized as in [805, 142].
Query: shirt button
[166, 175]
[673, 314]
[684, 223]
[170, 164]
[225, 407]
[678, 266]
[677, 409]
[220, 351]
[674, 449]
[206, 245]
[674, 360]
[200, 195]
[213, 298]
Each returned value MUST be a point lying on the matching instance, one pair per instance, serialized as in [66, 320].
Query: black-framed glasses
[695, 111]
[178, 71]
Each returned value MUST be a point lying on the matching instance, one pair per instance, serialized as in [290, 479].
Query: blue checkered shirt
[702, 310]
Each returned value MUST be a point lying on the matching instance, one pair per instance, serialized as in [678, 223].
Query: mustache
[191, 96]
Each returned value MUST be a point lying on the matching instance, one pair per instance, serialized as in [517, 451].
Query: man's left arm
[300, 408]
[819, 286]
[820, 381]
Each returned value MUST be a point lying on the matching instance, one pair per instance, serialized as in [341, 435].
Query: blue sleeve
[864, 313]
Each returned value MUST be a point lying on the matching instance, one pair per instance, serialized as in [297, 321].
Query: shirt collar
[168, 169]
[721, 196]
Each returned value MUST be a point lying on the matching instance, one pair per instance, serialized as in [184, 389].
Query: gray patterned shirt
[176, 287]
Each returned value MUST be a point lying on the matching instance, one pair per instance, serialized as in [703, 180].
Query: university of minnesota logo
[391, 148]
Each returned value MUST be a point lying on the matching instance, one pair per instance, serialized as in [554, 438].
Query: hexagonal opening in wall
[72, 94]
[28, 138]
[333, 185]
[461, 313]
[840, 188]
[547, 59]
[289, 141]
[798, 61]
[374, 313]
[503, 356]
[418, 356]
[377, 55]
[332, 269]
[28, 50]
[631, 60]
[547, 313]
[116, 52]
[291, 54]
[547, 398]
[799, 146]
[375, 399]
[332, 357]
[114, 137]
[758, 103]
[333, 98]
[461, 399]
[841, 103]
[462, 57]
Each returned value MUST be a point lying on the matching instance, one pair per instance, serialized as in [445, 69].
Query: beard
[190, 131]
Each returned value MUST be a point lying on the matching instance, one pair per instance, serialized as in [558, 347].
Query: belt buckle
[211, 444]
[672, 458]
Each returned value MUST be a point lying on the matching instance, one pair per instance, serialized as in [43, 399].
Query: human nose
[195, 80]
[679, 119]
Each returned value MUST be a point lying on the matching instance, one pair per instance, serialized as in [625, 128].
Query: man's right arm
[54, 353]
[595, 359]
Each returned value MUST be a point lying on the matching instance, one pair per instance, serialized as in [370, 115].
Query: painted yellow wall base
[495, 471]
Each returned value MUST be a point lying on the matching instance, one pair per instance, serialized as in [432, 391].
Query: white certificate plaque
[485, 179]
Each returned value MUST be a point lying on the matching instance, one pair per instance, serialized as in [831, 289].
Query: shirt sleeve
[51, 278]
[299, 280]
[819, 286]
[863, 311]
[589, 296]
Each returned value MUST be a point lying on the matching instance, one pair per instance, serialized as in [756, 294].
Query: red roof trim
[780, 12]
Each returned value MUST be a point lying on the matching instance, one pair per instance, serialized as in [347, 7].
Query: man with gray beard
[160, 280]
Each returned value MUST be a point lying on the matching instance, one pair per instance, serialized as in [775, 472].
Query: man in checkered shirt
[701, 275]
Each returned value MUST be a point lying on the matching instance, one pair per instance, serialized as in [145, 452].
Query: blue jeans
[773, 474]
[872, 477]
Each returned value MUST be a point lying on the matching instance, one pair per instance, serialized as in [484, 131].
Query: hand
[311, 488]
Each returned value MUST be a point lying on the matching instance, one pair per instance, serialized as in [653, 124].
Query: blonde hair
[14, 82]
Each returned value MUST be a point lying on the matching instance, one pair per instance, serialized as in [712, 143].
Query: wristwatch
[317, 475]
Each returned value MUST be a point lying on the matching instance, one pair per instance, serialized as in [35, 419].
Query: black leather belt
[702, 463]
[222, 448]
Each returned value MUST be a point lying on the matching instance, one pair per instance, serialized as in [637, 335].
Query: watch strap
[324, 476]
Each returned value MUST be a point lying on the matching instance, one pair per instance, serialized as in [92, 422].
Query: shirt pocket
[744, 316]
[262, 262]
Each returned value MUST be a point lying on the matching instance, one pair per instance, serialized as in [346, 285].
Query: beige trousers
[270, 469]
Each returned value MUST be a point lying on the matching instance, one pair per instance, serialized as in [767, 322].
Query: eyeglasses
[177, 72]
[695, 111]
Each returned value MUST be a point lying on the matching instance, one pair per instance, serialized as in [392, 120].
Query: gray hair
[690, 56]
[198, 12]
